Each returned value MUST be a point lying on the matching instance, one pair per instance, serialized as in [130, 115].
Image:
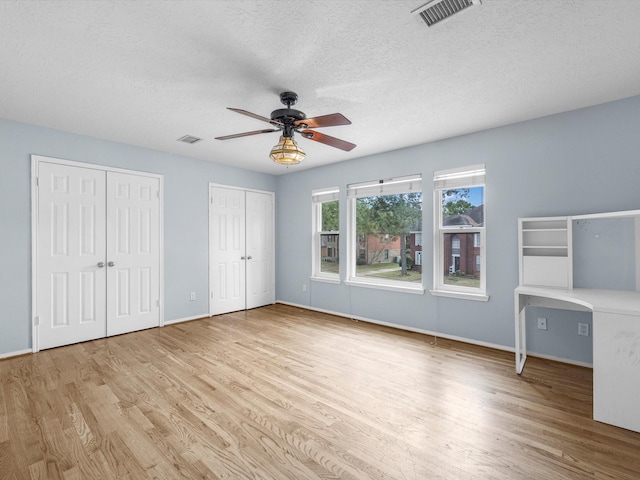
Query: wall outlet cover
[583, 329]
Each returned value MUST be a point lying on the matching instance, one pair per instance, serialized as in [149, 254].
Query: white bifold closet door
[241, 249]
[98, 254]
[133, 253]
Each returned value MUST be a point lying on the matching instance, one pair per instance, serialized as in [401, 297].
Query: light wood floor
[284, 393]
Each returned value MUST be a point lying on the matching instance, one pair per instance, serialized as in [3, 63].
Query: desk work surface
[612, 301]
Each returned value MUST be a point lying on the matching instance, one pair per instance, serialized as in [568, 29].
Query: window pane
[461, 260]
[329, 253]
[463, 207]
[329, 258]
[330, 217]
[386, 226]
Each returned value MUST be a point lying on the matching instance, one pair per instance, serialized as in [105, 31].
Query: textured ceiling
[149, 72]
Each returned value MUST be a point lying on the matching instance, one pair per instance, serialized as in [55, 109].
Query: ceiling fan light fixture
[287, 152]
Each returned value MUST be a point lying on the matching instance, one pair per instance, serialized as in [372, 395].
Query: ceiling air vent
[439, 10]
[189, 139]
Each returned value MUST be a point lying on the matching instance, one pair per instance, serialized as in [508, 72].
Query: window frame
[318, 197]
[465, 177]
[391, 186]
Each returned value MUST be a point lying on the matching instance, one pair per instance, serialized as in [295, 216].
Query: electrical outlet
[542, 324]
[192, 296]
[583, 329]
[304, 287]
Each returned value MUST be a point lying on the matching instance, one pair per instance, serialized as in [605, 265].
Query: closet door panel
[227, 250]
[259, 218]
[70, 283]
[133, 253]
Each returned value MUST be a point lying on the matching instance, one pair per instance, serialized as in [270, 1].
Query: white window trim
[318, 197]
[471, 176]
[370, 189]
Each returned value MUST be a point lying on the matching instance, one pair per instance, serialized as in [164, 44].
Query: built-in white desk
[616, 345]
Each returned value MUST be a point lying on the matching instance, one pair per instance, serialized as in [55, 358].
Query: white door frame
[35, 163]
[273, 220]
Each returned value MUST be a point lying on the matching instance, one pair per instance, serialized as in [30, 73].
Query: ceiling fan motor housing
[288, 117]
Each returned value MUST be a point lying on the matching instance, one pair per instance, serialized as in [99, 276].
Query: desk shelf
[545, 251]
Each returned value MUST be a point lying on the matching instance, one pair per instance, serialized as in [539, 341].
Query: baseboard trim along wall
[187, 319]
[369, 320]
[440, 335]
[560, 359]
[15, 354]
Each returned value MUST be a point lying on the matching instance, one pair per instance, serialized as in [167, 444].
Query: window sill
[477, 297]
[417, 290]
[335, 280]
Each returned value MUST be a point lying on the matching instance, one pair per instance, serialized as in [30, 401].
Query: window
[326, 238]
[459, 233]
[383, 217]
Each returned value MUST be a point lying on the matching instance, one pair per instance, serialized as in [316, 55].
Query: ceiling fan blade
[328, 140]
[330, 120]
[246, 134]
[256, 116]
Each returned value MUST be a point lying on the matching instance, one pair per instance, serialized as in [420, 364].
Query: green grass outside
[411, 276]
[330, 267]
[334, 267]
[462, 281]
[376, 266]
[459, 280]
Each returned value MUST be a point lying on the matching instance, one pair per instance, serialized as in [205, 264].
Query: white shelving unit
[545, 249]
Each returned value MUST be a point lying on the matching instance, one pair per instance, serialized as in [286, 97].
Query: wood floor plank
[282, 393]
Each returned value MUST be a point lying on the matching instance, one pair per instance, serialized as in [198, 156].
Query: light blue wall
[585, 161]
[604, 253]
[185, 217]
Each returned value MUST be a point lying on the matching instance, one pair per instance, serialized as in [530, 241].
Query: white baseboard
[186, 319]
[409, 329]
[441, 335]
[560, 359]
[15, 354]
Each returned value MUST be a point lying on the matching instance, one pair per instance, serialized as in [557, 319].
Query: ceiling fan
[288, 121]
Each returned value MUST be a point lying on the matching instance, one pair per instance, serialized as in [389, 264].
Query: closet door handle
[243, 258]
[100, 264]
[111, 264]
[249, 257]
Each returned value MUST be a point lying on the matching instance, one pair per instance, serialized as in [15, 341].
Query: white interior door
[227, 250]
[133, 252]
[259, 240]
[71, 255]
